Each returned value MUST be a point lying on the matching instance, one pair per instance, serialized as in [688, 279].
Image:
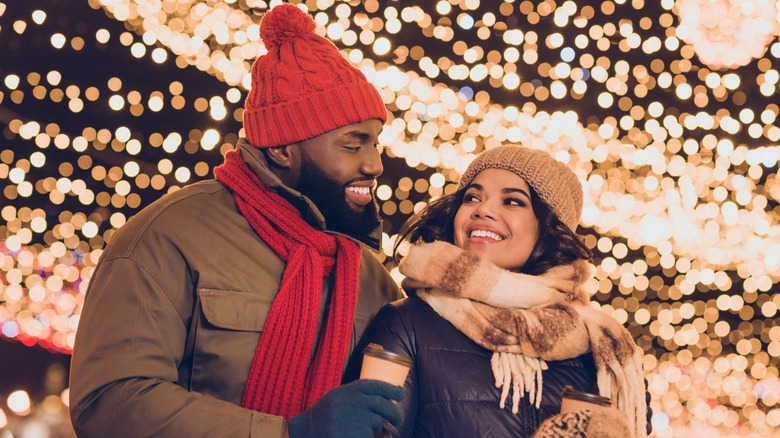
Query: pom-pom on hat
[554, 182]
[303, 87]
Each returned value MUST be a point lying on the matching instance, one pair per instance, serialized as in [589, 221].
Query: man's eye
[352, 148]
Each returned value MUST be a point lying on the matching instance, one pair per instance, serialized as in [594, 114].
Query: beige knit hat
[554, 182]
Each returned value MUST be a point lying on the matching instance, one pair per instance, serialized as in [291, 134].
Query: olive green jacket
[174, 312]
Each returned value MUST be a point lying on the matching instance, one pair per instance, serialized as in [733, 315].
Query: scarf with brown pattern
[528, 319]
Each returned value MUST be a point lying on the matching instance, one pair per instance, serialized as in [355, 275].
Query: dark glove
[354, 410]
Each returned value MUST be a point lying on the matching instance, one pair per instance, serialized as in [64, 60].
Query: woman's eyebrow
[516, 190]
[506, 190]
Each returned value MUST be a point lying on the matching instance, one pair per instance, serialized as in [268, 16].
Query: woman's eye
[469, 198]
[513, 201]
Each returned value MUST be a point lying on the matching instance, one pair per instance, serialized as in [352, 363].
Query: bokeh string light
[728, 33]
[668, 116]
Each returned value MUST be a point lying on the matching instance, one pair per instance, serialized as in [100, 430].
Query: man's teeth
[484, 233]
[360, 190]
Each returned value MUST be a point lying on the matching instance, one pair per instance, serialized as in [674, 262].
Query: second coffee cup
[573, 400]
[381, 364]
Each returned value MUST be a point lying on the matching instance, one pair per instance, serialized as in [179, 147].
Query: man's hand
[354, 410]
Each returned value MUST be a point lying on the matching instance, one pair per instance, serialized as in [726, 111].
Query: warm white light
[156, 103]
[19, 403]
[131, 169]
[116, 102]
[58, 40]
[90, 229]
[38, 16]
[138, 50]
[12, 81]
[210, 139]
[172, 142]
[102, 36]
[159, 55]
[182, 174]
[443, 7]
[728, 33]
[165, 166]
[133, 147]
[38, 159]
[382, 46]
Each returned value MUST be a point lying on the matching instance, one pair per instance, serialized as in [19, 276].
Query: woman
[495, 308]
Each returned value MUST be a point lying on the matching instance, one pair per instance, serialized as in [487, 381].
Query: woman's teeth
[484, 233]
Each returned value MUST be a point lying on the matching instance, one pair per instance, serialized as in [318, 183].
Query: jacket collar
[256, 161]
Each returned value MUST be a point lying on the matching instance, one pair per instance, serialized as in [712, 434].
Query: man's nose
[372, 163]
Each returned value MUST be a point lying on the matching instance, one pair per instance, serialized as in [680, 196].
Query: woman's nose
[484, 211]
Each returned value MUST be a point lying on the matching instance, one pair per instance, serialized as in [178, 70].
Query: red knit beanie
[303, 87]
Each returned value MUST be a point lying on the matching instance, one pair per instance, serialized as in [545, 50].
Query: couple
[231, 307]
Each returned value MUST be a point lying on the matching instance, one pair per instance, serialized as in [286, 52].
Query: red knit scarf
[281, 380]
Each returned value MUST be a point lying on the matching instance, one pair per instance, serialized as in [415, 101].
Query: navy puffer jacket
[450, 391]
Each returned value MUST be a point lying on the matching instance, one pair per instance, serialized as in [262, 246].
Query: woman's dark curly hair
[557, 244]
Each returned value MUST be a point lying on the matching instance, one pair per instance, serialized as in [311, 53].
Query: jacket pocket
[233, 310]
[225, 333]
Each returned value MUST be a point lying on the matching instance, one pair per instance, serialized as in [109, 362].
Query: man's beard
[330, 198]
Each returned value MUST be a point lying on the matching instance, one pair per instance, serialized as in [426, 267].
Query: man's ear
[285, 162]
[282, 156]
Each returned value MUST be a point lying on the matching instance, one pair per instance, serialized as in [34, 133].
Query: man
[229, 307]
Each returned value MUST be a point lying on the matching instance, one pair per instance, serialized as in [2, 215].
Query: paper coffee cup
[381, 364]
[573, 400]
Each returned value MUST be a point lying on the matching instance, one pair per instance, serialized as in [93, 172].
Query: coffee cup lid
[377, 350]
[573, 394]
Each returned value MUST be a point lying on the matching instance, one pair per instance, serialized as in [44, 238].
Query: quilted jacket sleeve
[393, 333]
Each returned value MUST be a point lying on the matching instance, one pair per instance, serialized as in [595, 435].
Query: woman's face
[496, 220]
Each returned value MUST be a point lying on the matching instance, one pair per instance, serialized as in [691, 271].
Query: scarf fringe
[520, 373]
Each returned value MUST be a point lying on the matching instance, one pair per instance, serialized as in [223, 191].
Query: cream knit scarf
[527, 319]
